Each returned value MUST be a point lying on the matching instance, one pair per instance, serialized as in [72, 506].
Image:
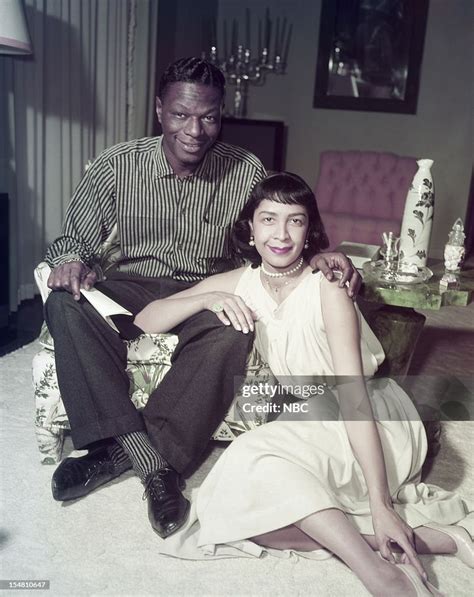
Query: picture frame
[370, 55]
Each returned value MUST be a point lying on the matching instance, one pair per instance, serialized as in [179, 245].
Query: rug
[104, 545]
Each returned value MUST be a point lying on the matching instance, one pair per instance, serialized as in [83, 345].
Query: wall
[441, 129]
[182, 29]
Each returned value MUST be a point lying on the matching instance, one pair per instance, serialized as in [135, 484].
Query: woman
[349, 486]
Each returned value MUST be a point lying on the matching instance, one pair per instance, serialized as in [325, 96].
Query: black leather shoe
[167, 506]
[76, 477]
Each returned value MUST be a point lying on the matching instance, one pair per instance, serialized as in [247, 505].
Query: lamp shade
[14, 38]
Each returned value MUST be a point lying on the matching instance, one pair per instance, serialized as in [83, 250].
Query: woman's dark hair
[192, 70]
[286, 188]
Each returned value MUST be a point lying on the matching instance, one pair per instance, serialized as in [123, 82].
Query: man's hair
[281, 187]
[192, 70]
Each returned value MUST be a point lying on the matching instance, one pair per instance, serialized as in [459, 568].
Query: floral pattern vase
[417, 218]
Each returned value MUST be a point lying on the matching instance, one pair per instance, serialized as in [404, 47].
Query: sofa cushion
[51, 418]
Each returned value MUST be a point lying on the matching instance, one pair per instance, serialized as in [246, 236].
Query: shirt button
[180, 246]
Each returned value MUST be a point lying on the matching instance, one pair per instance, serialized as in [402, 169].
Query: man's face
[190, 116]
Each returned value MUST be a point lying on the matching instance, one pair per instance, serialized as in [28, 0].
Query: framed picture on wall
[370, 54]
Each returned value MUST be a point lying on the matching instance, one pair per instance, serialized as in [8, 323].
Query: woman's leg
[289, 537]
[427, 541]
[332, 529]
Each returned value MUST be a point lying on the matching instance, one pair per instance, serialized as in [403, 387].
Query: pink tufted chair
[361, 194]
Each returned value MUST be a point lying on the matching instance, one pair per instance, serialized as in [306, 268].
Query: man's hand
[328, 262]
[72, 276]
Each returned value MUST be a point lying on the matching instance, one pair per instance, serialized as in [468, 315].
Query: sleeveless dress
[283, 471]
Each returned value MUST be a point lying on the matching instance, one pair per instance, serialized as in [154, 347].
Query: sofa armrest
[41, 274]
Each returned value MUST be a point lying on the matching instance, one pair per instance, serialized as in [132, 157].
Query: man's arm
[89, 220]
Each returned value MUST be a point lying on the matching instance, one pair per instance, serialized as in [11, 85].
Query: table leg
[398, 330]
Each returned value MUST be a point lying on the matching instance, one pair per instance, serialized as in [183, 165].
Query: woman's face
[279, 232]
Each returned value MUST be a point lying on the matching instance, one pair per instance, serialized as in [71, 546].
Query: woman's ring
[217, 308]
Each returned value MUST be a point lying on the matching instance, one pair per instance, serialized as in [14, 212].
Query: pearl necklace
[298, 266]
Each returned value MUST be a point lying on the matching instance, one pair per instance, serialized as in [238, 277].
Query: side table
[395, 321]
[390, 311]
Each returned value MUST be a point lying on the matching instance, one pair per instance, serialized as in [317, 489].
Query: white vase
[417, 219]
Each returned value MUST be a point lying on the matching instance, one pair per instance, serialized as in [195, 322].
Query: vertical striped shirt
[167, 226]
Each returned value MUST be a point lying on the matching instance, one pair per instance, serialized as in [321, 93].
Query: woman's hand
[389, 528]
[230, 309]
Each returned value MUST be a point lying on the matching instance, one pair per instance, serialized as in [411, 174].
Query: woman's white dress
[283, 471]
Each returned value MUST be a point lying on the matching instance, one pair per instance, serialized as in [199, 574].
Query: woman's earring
[251, 242]
[306, 244]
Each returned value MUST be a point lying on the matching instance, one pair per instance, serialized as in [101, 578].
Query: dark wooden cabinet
[264, 138]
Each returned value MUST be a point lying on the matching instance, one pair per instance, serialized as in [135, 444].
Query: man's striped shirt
[167, 226]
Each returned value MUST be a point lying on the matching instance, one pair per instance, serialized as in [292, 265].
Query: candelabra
[238, 64]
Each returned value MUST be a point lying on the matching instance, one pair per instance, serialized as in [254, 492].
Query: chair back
[361, 194]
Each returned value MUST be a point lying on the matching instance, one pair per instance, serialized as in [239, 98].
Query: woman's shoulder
[335, 302]
[331, 287]
[317, 282]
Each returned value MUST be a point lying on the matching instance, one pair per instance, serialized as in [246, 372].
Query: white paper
[104, 305]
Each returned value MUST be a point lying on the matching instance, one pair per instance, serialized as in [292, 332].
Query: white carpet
[104, 545]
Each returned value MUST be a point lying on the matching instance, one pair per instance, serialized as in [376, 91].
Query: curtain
[88, 85]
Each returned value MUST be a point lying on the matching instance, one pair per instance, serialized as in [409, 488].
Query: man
[173, 199]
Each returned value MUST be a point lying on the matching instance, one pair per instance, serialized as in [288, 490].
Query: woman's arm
[342, 326]
[163, 315]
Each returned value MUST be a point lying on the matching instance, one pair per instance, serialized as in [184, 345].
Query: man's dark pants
[190, 402]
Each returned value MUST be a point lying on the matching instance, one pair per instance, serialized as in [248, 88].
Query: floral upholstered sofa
[148, 360]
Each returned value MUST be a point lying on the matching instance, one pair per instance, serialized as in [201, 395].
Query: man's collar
[163, 167]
